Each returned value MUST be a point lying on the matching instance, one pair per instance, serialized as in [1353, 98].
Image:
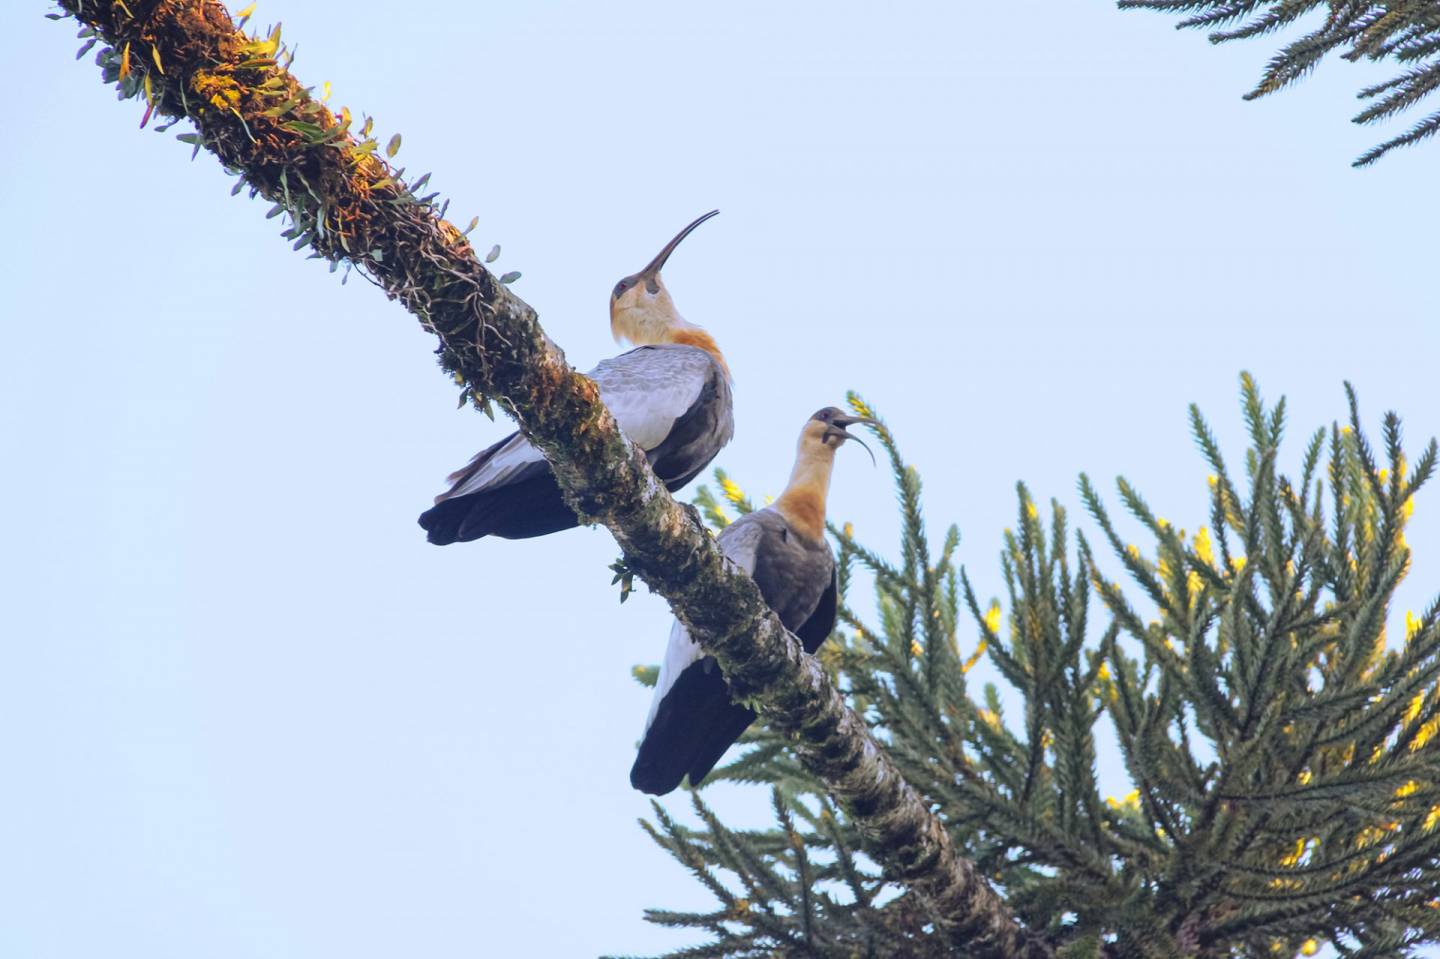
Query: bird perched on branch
[671, 395]
[692, 718]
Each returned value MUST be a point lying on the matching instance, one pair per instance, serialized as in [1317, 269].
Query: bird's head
[641, 311]
[825, 431]
[803, 502]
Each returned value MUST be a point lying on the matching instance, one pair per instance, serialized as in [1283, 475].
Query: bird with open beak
[692, 718]
[670, 394]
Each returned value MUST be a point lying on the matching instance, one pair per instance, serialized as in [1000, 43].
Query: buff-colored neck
[688, 334]
[803, 502]
[649, 330]
[646, 320]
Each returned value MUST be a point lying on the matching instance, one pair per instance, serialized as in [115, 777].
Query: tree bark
[186, 58]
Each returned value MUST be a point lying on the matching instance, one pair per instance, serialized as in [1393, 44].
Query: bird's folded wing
[738, 542]
[651, 387]
[817, 628]
[647, 389]
[505, 462]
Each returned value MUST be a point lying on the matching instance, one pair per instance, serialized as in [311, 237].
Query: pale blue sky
[247, 712]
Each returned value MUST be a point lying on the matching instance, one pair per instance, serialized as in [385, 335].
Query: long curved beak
[837, 428]
[653, 267]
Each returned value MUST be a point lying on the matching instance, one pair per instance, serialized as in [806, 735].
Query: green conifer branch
[1407, 31]
[1286, 760]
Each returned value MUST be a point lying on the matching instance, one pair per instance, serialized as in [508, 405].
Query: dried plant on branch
[1277, 732]
[1406, 32]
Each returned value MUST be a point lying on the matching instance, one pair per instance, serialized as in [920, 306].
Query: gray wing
[817, 628]
[739, 542]
[792, 571]
[692, 719]
[650, 388]
[508, 461]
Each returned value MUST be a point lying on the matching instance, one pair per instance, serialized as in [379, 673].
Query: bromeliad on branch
[671, 395]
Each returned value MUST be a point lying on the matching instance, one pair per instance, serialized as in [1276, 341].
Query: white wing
[651, 387]
[738, 542]
[680, 652]
[647, 389]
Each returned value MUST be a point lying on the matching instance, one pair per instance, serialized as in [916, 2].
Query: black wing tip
[444, 523]
[665, 755]
[694, 725]
[646, 777]
[522, 510]
[653, 781]
[701, 770]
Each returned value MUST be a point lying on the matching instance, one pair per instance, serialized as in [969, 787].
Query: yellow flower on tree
[732, 490]
[1130, 802]
[1302, 846]
[859, 406]
[1203, 548]
[969, 664]
[1413, 710]
[1424, 735]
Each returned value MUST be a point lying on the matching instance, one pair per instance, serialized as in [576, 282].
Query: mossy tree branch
[189, 60]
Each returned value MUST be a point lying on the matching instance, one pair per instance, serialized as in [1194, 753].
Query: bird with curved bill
[692, 718]
[671, 395]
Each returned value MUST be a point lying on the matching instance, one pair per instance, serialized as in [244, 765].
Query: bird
[671, 394]
[692, 719]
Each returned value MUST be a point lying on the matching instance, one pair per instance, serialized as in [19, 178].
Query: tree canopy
[1281, 741]
[1406, 34]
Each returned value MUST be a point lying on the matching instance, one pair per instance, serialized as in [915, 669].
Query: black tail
[532, 506]
[693, 726]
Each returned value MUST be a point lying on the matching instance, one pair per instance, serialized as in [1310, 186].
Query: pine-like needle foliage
[1281, 745]
[1404, 31]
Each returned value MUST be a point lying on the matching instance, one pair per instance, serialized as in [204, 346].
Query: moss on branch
[348, 204]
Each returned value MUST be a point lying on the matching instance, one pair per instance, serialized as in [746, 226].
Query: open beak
[653, 267]
[837, 428]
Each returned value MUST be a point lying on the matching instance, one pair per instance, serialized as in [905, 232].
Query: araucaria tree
[1406, 32]
[1282, 753]
[1280, 740]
